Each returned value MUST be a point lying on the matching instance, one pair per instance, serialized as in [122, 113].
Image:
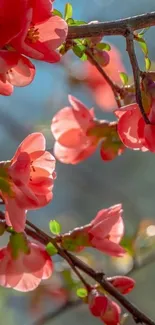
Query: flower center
[33, 34]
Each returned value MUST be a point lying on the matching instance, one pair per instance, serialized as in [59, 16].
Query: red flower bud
[111, 316]
[97, 303]
[123, 284]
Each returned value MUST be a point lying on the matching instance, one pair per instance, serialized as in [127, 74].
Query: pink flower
[69, 127]
[15, 70]
[14, 15]
[42, 33]
[132, 129]
[32, 175]
[78, 133]
[25, 272]
[104, 233]
[100, 89]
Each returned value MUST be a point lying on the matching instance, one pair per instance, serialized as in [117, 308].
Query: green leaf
[51, 249]
[56, 12]
[55, 227]
[68, 11]
[84, 57]
[147, 64]
[82, 292]
[70, 21]
[143, 45]
[124, 78]
[78, 22]
[79, 50]
[103, 46]
[143, 31]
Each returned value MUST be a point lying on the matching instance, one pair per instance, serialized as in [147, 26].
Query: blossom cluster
[29, 31]
[33, 31]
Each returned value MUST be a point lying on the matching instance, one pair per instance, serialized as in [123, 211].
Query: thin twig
[115, 88]
[116, 27]
[136, 72]
[63, 253]
[68, 305]
[98, 277]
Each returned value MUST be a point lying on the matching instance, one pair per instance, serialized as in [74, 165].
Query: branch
[99, 277]
[117, 27]
[136, 71]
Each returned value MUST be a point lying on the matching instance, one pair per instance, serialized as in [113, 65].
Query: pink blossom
[25, 272]
[42, 33]
[78, 133]
[70, 127]
[14, 16]
[132, 129]
[32, 176]
[106, 231]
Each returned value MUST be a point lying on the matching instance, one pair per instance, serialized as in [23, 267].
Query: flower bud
[111, 316]
[97, 303]
[123, 284]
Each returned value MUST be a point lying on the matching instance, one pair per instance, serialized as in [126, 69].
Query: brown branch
[97, 276]
[136, 72]
[117, 27]
[69, 305]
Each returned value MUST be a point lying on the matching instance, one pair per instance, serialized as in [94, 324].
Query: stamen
[33, 35]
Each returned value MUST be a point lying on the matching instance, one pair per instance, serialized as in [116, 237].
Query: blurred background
[80, 191]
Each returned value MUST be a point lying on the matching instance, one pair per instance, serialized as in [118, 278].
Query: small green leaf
[51, 249]
[82, 292]
[55, 227]
[68, 11]
[103, 46]
[84, 57]
[147, 64]
[79, 22]
[56, 12]
[70, 21]
[79, 50]
[124, 78]
[143, 45]
[143, 31]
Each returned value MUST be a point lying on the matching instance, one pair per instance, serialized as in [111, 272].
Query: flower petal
[22, 74]
[33, 142]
